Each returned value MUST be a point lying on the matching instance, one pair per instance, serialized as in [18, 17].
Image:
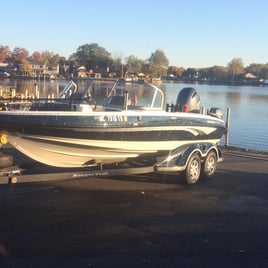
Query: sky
[192, 33]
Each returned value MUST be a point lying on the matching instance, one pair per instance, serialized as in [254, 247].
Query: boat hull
[76, 140]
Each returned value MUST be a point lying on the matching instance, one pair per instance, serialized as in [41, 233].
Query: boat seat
[76, 96]
[117, 100]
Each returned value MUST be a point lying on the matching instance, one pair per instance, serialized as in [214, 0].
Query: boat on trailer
[132, 125]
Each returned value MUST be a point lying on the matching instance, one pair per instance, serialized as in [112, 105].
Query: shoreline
[240, 149]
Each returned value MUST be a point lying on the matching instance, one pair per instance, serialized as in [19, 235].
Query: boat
[131, 124]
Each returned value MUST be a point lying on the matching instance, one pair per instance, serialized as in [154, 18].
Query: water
[249, 106]
[249, 110]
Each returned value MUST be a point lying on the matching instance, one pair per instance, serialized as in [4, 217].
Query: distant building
[52, 69]
[5, 70]
[251, 79]
[42, 69]
[250, 76]
[37, 69]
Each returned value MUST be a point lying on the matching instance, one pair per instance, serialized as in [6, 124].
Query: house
[250, 76]
[5, 70]
[42, 69]
[3, 67]
[37, 68]
[251, 79]
[52, 70]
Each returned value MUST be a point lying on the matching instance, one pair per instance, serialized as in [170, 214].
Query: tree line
[96, 58]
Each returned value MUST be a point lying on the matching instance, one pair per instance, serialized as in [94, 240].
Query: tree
[93, 56]
[37, 56]
[135, 63]
[217, 73]
[19, 55]
[264, 71]
[203, 73]
[50, 57]
[25, 67]
[236, 67]
[5, 53]
[189, 73]
[117, 67]
[158, 63]
[175, 71]
[259, 70]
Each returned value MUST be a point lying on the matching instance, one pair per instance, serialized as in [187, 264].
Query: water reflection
[44, 87]
[249, 113]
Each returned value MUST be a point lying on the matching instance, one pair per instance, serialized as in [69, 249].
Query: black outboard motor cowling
[188, 100]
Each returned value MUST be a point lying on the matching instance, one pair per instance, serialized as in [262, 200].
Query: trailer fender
[177, 159]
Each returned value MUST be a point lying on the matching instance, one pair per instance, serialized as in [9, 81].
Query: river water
[249, 110]
[248, 104]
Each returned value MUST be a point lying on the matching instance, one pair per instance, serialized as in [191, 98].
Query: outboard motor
[188, 101]
[216, 112]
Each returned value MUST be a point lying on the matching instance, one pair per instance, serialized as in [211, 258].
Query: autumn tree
[50, 58]
[5, 53]
[236, 67]
[158, 63]
[37, 56]
[19, 55]
[25, 67]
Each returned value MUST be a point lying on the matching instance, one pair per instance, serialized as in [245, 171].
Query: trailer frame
[192, 160]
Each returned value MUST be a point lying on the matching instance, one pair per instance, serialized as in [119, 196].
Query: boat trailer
[14, 174]
[192, 160]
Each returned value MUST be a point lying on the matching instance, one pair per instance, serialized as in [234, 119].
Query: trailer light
[3, 139]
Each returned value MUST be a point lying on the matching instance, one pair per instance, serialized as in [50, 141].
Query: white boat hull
[75, 153]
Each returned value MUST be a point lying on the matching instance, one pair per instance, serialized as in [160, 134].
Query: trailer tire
[193, 169]
[210, 165]
[6, 160]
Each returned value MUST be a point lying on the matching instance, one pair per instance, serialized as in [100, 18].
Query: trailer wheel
[210, 165]
[6, 160]
[193, 169]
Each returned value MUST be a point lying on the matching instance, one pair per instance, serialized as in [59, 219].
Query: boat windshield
[116, 94]
[84, 88]
[134, 95]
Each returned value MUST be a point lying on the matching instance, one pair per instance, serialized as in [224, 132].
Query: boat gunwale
[110, 113]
